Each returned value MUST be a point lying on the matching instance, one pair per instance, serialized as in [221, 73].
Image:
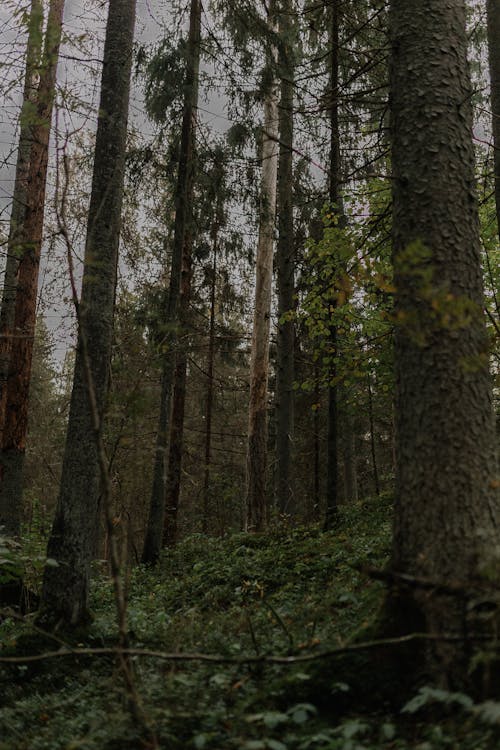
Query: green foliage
[287, 592]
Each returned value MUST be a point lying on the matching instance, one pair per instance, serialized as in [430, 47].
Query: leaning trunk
[73, 537]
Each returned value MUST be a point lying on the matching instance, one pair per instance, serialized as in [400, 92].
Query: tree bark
[285, 272]
[183, 209]
[257, 501]
[371, 420]
[73, 536]
[28, 238]
[210, 384]
[19, 198]
[447, 507]
[493, 17]
[349, 455]
[176, 438]
[332, 480]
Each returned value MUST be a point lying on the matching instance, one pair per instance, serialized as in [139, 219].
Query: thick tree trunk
[332, 480]
[447, 507]
[257, 501]
[493, 10]
[73, 536]
[176, 439]
[27, 260]
[154, 531]
[285, 272]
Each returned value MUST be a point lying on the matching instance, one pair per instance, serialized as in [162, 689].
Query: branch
[241, 660]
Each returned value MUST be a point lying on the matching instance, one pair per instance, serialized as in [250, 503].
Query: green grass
[294, 592]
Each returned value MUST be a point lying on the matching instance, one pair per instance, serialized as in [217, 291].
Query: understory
[247, 600]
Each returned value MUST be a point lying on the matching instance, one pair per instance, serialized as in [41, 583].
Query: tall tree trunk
[19, 198]
[257, 502]
[176, 438]
[27, 259]
[73, 536]
[447, 505]
[210, 384]
[332, 480]
[285, 271]
[493, 16]
[183, 210]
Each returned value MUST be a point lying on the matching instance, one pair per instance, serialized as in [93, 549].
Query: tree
[257, 503]
[285, 267]
[18, 316]
[73, 537]
[19, 197]
[183, 209]
[335, 201]
[447, 510]
[493, 18]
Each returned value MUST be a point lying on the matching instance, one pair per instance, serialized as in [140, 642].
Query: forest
[249, 374]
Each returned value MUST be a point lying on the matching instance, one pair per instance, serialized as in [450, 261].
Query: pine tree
[183, 212]
[73, 537]
[19, 309]
[447, 506]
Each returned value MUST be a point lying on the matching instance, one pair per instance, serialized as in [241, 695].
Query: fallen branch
[239, 660]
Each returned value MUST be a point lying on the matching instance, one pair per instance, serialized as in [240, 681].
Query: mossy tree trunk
[73, 537]
[447, 506]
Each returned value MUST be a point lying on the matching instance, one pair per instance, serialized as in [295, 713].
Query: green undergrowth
[291, 592]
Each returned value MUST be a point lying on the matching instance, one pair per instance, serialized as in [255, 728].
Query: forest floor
[293, 593]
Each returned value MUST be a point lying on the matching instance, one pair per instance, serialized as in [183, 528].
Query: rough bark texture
[447, 508]
[154, 531]
[19, 197]
[332, 480]
[28, 248]
[257, 501]
[72, 540]
[493, 10]
[285, 272]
